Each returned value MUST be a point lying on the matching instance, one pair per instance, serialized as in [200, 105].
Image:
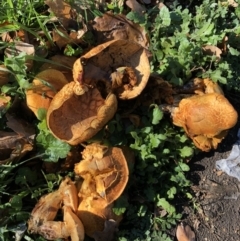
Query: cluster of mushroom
[87, 205]
[79, 109]
[76, 111]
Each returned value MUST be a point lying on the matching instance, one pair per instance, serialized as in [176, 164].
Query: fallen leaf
[62, 38]
[8, 139]
[136, 7]
[110, 227]
[231, 3]
[212, 50]
[185, 233]
[20, 126]
[223, 45]
[110, 26]
[4, 101]
[61, 10]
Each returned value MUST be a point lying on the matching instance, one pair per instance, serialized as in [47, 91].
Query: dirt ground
[217, 213]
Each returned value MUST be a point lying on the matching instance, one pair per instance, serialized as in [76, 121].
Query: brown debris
[109, 27]
[185, 233]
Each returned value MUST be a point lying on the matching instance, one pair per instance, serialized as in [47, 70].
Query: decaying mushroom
[85, 105]
[123, 64]
[44, 213]
[77, 113]
[205, 117]
[44, 87]
[105, 174]
[94, 212]
[107, 168]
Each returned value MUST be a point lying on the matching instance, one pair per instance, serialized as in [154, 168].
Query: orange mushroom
[43, 216]
[122, 64]
[205, 118]
[105, 173]
[77, 114]
[44, 87]
[107, 168]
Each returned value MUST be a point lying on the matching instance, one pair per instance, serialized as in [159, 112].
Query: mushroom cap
[205, 116]
[73, 225]
[45, 210]
[76, 118]
[108, 169]
[105, 59]
[44, 87]
[93, 213]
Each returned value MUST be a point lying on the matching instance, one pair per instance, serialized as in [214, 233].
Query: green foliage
[177, 36]
[17, 67]
[159, 171]
[18, 199]
[52, 147]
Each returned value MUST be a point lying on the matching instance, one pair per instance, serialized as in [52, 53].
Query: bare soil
[216, 216]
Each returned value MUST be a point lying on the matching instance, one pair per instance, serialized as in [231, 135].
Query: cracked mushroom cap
[205, 118]
[122, 63]
[108, 169]
[44, 87]
[76, 118]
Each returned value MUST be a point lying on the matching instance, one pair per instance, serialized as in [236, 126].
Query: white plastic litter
[231, 165]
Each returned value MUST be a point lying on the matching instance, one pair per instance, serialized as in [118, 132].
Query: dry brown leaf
[6, 37]
[12, 146]
[231, 3]
[62, 38]
[110, 26]
[61, 10]
[4, 101]
[21, 127]
[212, 50]
[185, 233]
[110, 227]
[223, 45]
[8, 139]
[136, 7]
